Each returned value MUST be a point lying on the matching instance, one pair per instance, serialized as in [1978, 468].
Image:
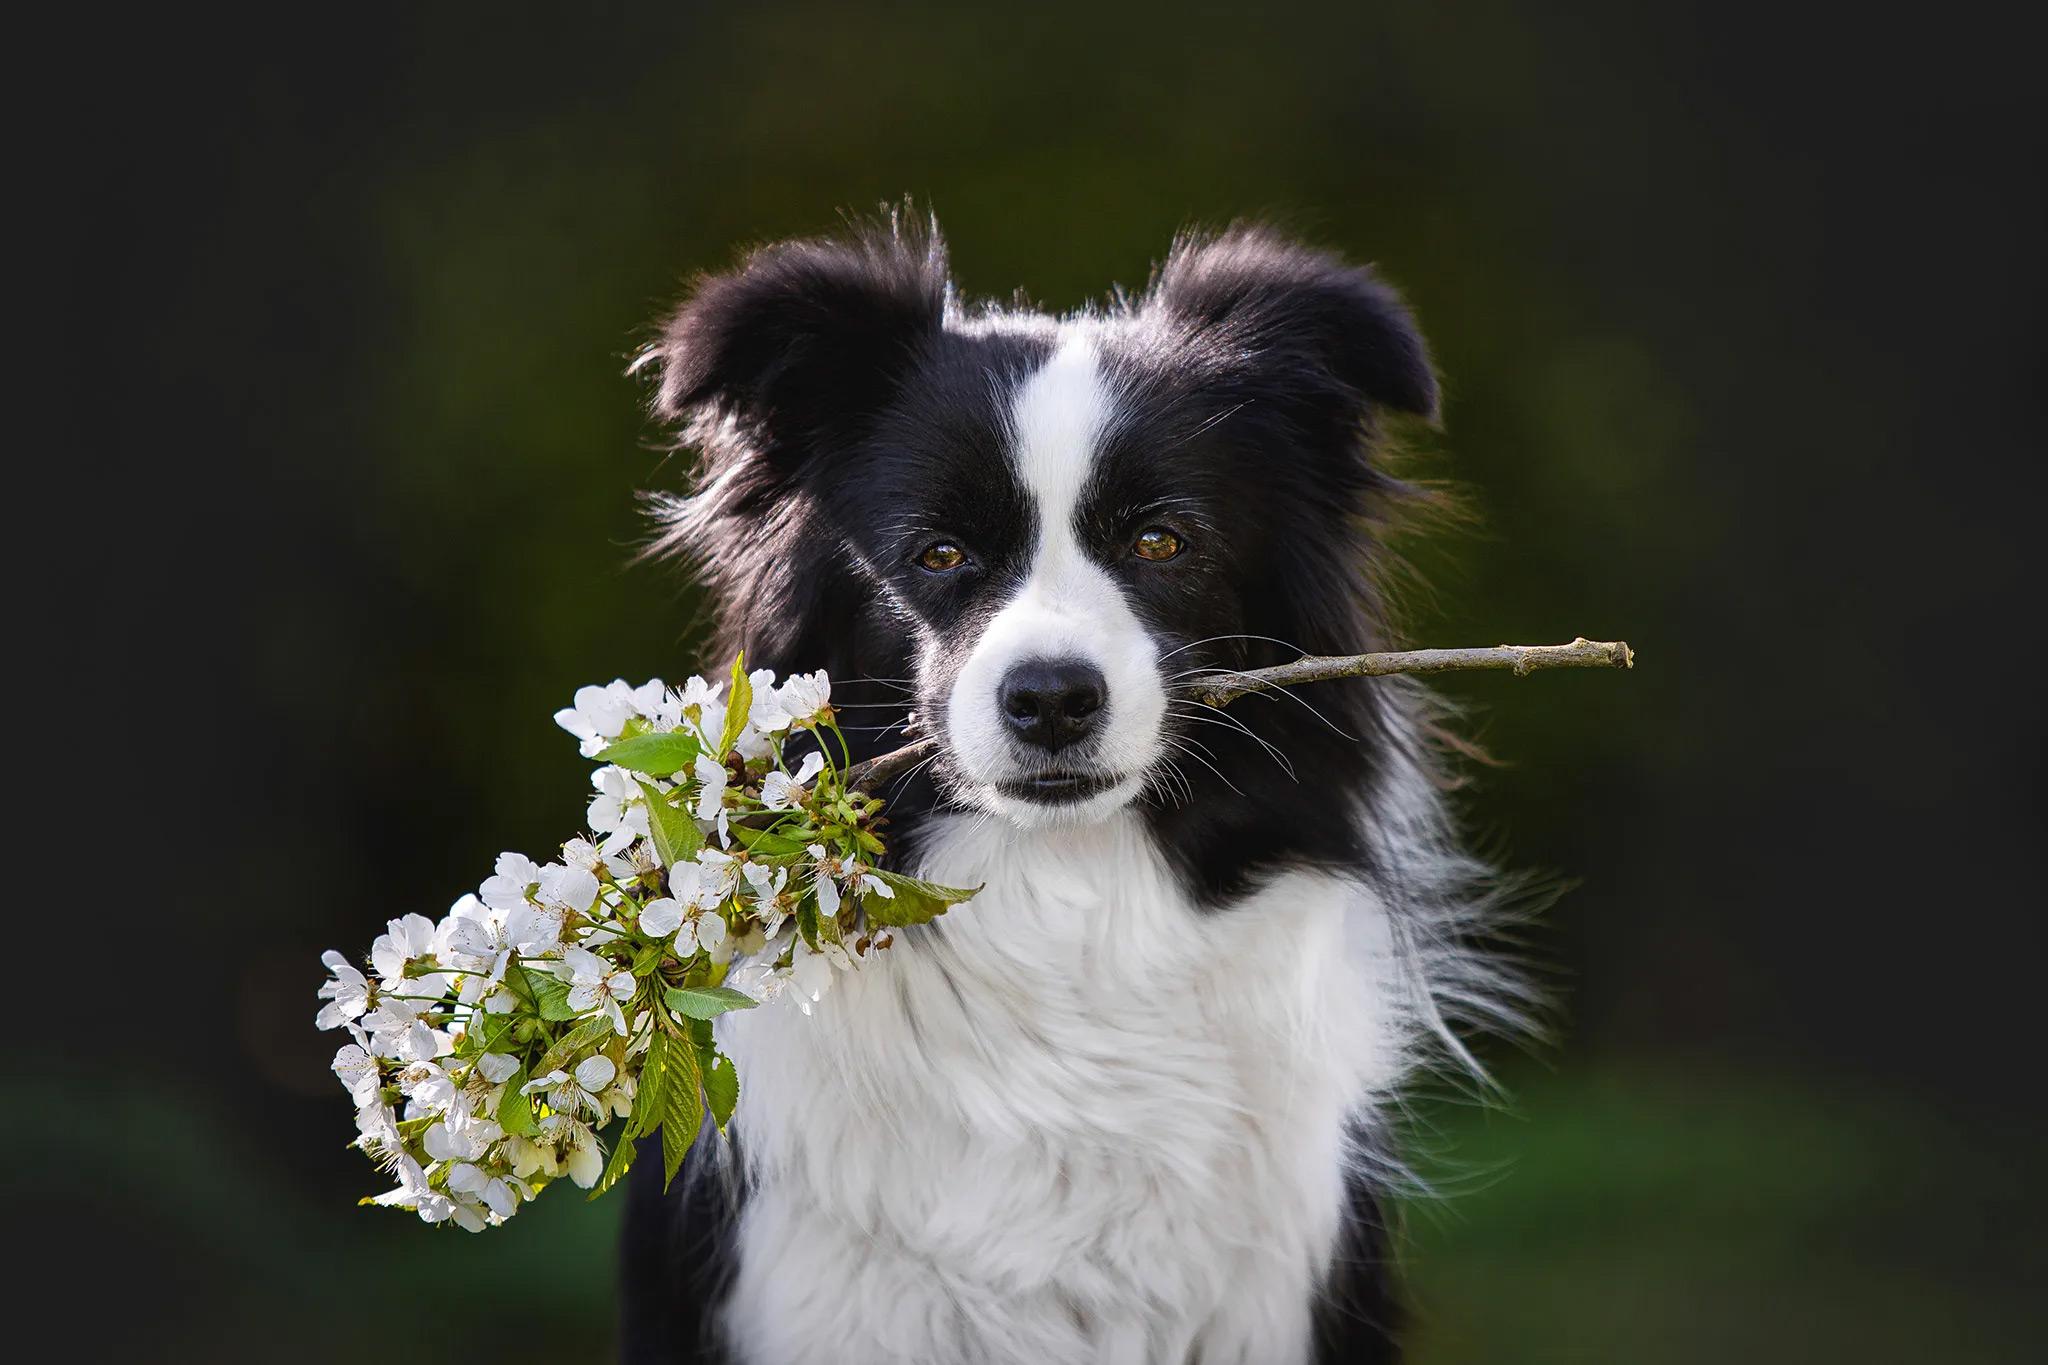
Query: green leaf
[722, 1089]
[550, 996]
[682, 1111]
[647, 1100]
[515, 1111]
[738, 703]
[676, 836]
[583, 1038]
[662, 755]
[767, 843]
[707, 1002]
[615, 1169]
[915, 902]
[484, 1033]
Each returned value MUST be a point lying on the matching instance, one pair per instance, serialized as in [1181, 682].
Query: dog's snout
[1051, 703]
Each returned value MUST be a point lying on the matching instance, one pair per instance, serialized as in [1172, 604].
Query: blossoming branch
[489, 1049]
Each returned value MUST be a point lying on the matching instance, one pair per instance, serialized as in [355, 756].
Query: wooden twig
[877, 770]
[1220, 688]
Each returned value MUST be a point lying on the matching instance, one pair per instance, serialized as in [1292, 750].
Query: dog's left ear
[806, 339]
[1257, 298]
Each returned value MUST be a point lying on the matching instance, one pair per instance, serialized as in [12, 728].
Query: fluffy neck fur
[1085, 1121]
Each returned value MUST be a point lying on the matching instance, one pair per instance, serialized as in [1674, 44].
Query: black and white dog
[1127, 1107]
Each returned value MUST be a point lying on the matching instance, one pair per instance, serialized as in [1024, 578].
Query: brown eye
[942, 557]
[1156, 544]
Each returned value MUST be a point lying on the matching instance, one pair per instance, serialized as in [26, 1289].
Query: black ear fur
[1251, 292]
[805, 335]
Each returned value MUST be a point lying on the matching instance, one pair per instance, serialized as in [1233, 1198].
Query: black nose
[1052, 702]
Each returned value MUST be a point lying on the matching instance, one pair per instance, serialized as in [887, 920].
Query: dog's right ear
[806, 339]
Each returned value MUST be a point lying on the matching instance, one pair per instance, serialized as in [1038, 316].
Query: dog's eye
[943, 557]
[1156, 544]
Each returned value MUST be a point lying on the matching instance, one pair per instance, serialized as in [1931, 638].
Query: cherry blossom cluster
[565, 1008]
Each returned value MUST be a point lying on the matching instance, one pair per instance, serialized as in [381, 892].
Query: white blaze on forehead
[1068, 607]
[1057, 418]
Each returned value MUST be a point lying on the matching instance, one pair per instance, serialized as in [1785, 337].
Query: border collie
[1130, 1105]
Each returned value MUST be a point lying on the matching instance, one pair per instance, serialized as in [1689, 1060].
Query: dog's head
[1038, 527]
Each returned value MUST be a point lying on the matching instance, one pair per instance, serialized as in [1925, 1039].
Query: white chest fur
[1083, 1122]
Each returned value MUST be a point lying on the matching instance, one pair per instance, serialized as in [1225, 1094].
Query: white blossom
[530, 1158]
[804, 695]
[662, 708]
[507, 888]
[567, 888]
[495, 1193]
[463, 938]
[595, 984]
[377, 1133]
[578, 1090]
[576, 1146]
[780, 790]
[452, 1143]
[347, 995]
[825, 868]
[404, 940]
[703, 929]
[358, 1072]
[413, 1192]
[636, 860]
[659, 917]
[619, 806]
[704, 882]
[428, 1088]
[598, 715]
[711, 778]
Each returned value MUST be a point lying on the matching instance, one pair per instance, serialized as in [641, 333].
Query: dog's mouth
[1059, 788]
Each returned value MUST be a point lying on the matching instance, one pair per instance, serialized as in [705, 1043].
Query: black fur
[1359, 1317]
[676, 1247]
[848, 411]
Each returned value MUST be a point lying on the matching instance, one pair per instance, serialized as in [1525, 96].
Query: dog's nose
[1052, 702]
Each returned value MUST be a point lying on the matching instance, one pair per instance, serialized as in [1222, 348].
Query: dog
[1130, 1105]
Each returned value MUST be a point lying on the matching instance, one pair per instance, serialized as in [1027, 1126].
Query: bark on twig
[1223, 687]
[866, 776]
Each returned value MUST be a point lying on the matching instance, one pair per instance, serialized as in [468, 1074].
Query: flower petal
[595, 1073]
[659, 918]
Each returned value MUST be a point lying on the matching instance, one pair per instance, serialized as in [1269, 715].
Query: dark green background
[1740, 317]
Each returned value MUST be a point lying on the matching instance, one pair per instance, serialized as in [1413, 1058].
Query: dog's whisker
[1158, 783]
[1218, 639]
[1292, 695]
[1230, 722]
[1212, 768]
[1161, 782]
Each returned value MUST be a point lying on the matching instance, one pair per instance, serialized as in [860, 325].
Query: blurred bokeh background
[1741, 317]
